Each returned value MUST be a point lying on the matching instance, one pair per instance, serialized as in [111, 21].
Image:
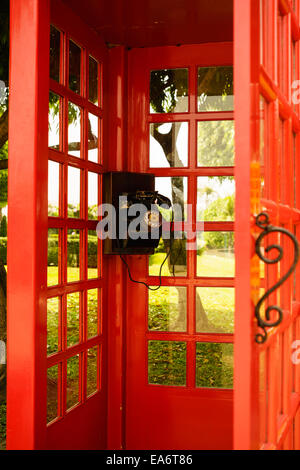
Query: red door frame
[78, 428]
[245, 355]
[267, 400]
[158, 416]
[28, 202]
[116, 315]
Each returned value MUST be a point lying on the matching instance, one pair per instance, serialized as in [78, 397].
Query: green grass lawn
[213, 264]
[210, 264]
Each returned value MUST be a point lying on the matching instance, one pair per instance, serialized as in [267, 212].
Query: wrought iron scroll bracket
[263, 222]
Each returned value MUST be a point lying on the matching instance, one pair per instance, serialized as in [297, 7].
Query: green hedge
[73, 250]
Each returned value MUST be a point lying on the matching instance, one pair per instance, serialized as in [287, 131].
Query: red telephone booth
[203, 95]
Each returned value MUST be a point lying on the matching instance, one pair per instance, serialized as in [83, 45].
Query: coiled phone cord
[161, 266]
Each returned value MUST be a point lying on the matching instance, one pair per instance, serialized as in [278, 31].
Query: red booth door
[266, 58]
[57, 385]
[180, 338]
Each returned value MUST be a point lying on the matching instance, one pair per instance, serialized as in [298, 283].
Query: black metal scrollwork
[263, 222]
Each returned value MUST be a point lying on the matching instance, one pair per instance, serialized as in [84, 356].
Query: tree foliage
[4, 40]
[221, 209]
[166, 87]
[216, 143]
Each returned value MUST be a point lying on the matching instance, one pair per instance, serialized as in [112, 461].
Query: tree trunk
[3, 164]
[177, 260]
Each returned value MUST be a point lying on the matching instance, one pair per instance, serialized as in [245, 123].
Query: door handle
[263, 222]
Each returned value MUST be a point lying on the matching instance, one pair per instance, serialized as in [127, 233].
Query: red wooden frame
[27, 179]
[267, 396]
[90, 434]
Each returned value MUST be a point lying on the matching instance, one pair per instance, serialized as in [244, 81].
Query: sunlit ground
[73, 275]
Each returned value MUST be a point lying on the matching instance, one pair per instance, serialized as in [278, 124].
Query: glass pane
[169, 91]
[93, 244]
[215, 198]
[169, 144]
[93, 179]
[93, 138]
[52, 393]
[281, 49]
[92, 371]
[53, 316]
[73, 192]
[92, 312]
[176, 264]
[282, 162]
[73, 317]
[294, 62]
[54, 53]
[93, 81]
[215, 254]
[167, 363]
[175, 188]
[167, 309]
[53, 256]
[215, 143]
[74, 67]
[74, 256]
[215, 88]
[53, 188]
[72, 382]
[214, 310]
[74, 130]
[214, 365]
[54, 121]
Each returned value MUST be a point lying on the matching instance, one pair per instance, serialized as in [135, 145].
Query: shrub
[73, 250]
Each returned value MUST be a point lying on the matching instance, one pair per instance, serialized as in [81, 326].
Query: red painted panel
[83, 428]
[180, 419]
